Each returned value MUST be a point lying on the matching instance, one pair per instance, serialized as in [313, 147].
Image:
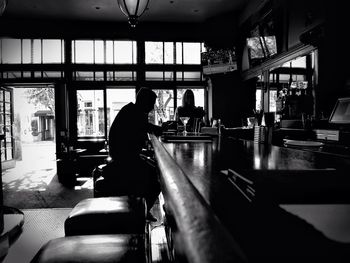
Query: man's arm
[155, 129]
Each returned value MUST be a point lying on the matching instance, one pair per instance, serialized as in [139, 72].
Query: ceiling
[108, 11]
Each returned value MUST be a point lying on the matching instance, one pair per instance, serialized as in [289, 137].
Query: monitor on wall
[341, 112]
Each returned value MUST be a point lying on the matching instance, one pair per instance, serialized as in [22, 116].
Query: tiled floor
[40, 226]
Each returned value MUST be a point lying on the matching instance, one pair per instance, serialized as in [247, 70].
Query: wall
[231, 101]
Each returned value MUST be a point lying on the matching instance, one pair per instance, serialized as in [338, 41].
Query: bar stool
[107, 215]
[106, 188]
[93, 249]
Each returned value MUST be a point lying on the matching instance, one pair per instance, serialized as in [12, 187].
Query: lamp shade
[133, 9]
[3, 4]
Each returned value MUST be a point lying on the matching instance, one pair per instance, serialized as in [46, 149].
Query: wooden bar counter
[277, 204]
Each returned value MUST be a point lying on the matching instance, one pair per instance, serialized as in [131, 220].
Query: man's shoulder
[127, 107]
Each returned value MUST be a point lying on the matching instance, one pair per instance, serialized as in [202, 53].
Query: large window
[104, 52]
[92, 110]
[31, 51]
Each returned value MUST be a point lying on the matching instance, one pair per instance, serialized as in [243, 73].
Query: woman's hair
[188, 99]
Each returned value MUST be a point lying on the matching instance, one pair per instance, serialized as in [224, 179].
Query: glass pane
[7, 96]
[154, 52]
[62, 51]
[90, 119]
[299, 62]
[164, 107]
[298, 77]
[26, 74]
[8, 153]
[123, 52]
[272, 99]
[26, 49]
[258, 104]
[109, 52]
[1, 120]
[8, 142]
[84, 75]
[84, 51]
[168, 75]
[99, 76]
[37, 51]
[154, 75]
[38, 74]
[12, 74]
[203, 47]
[195, 75]
[99, 52]
[52, 51]
[192, 53]
[116, 99]
[7, 120]
[110, 75]
[52, 74]
[134, 46]
[125, 75]
[178, 53]
[8, 132]
[284, 78]
[168, 53]
[11, 50]
[179, 75]
[198, 96]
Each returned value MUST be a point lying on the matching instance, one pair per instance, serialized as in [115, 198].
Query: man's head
[145, 99]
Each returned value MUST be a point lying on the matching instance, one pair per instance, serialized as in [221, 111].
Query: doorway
[28, 152]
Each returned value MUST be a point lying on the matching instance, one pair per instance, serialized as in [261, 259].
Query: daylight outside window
[116, 99]
[164, 107]
[90, 113]
[258, 101]
[273, 99]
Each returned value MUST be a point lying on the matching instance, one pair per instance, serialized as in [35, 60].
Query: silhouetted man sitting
[127, 137]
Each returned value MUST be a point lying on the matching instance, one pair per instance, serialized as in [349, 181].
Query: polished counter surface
[276, 177]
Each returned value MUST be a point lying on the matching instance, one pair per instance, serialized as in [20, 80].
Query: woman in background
[188, 109]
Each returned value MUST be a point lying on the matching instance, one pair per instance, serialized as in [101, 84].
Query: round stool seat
[107, 215]
[93, 248]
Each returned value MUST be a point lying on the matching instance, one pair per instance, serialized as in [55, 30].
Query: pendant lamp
[133, 9]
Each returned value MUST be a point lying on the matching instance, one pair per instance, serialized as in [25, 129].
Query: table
[67, 166]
